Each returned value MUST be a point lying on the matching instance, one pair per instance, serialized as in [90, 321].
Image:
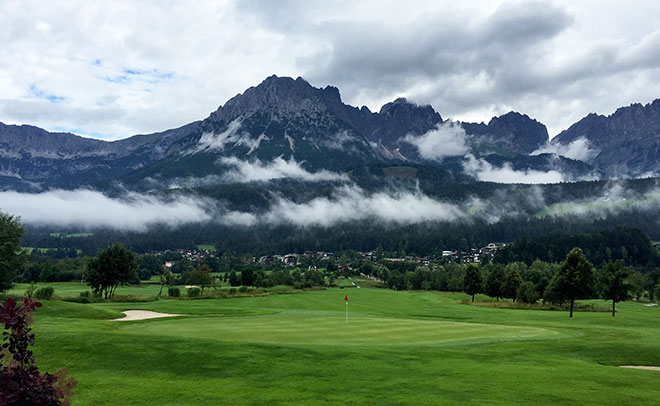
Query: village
[312, 259]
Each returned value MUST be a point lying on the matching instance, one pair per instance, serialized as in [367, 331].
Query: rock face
[510, 134]
[289, 118]
[627, 143]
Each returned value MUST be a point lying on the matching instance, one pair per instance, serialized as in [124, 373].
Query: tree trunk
[161, 290]
[571, 314]
[473, 298]
[613, 309]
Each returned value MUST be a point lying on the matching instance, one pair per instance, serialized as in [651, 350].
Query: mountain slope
[290, 119]
[627, 143]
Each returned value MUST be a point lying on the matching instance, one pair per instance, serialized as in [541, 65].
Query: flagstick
[347, 312]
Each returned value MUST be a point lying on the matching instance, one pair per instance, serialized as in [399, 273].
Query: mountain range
[290, 119]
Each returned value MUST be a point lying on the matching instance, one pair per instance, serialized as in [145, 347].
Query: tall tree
[472, 281]
[111, 267]
[512, 282]
[614, 283]
[11, 258]
[495, 282]
[574, 280]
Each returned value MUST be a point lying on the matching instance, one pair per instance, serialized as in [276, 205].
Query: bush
[81, 299]
[194, 292]
[243, 289]
[173, 292]
[232, 291]
[21, 382]
[45, 293]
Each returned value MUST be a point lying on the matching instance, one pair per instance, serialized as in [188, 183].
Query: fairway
[398, 348]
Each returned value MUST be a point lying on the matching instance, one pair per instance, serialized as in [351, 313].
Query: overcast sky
[117, 68]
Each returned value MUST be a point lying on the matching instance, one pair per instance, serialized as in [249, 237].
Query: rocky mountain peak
[276, 96]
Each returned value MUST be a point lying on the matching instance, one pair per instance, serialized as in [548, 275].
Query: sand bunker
[649, 368]
[143, 315]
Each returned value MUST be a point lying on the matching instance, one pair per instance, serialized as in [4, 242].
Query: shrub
[86, 294]
[243, 289]
[232, 291]
[194, 292]
[173, 292]
[81, 299]
[45, 293]
[21, 383]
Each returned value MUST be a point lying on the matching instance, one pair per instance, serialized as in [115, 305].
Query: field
[398, 348]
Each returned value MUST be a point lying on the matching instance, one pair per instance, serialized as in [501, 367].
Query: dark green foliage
[45, 293]
[112, 267]
[194, 292]
[234, 280]
[472, 283]
[540, 274]
[173, 292]
[247, 277]
[575, 280]
[11, 261]
[201, 277]
[527, 293]
[149, 265]
[630, 245]
[494, 284]
[614, 284]
[512, 282]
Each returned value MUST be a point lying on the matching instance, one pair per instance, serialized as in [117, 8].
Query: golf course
[397, 348]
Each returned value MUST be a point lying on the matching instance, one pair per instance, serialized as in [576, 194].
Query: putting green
[326, 328]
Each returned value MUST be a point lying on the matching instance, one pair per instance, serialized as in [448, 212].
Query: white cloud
[484, 171]
[87, 208]
[114, 66]
[447, 139]
[350, 203]
[210, 141]
[278, 168]
[578, 149]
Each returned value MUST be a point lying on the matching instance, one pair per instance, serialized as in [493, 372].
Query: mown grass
[398, 348]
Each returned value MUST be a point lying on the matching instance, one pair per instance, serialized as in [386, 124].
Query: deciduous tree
[614, 283]
[11, 258]
[574, 280]
[472, 281]
[111, 267]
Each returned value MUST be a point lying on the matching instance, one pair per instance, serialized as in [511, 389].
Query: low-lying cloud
[210, 141]
[90, 209]
[243, 171]
[578, 149]
[351, 203]
[250, 171]
[484, 171]
[132, 211]
[445, 140]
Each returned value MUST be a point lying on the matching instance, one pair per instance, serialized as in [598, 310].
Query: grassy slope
[399, 348]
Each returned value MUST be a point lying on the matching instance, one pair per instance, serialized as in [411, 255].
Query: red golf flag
[346, 298]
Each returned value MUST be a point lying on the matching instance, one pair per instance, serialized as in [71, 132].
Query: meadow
[397, 348]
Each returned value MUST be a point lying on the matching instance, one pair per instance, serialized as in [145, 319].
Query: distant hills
[290, 119]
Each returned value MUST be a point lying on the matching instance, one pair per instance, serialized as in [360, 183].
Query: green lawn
[206, 247]
[398, 348]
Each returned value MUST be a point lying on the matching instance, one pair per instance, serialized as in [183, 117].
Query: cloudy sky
[111, 69]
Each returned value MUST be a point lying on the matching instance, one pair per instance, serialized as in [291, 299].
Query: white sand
[641, 367]
[143, 315]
